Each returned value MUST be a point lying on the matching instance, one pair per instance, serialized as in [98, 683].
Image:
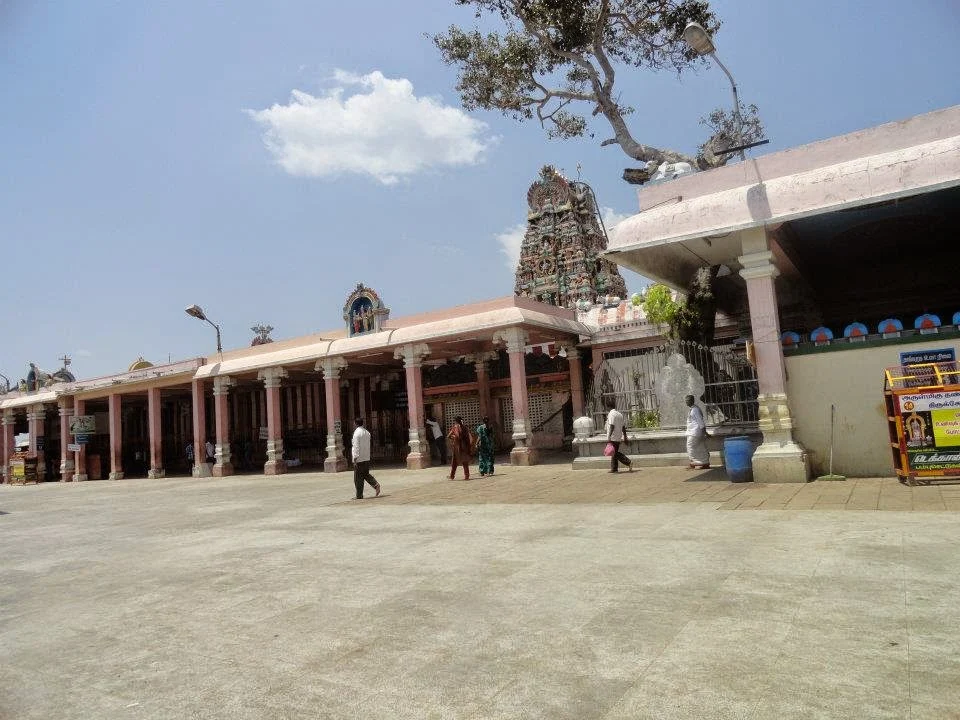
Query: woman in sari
[485, 447]
[460, 444]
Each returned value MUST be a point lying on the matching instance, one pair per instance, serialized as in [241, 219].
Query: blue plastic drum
[738, 454]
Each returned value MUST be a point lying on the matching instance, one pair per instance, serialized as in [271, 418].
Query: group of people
[696, 433]
[464, 443]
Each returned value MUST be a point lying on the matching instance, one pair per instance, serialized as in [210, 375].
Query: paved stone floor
[539, 593]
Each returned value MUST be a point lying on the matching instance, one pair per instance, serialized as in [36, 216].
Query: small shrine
[262, 336]
[560, 261]
[364, 311]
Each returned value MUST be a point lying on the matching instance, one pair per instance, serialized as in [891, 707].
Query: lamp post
[701, 43]
[197, 312]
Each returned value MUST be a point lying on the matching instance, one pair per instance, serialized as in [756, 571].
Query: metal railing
[629, 378]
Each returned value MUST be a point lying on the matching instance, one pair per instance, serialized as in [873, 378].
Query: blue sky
[138, 175]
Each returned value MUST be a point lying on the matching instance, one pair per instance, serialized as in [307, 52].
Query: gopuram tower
[559, 257]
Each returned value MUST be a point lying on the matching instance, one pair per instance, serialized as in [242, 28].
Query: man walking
[617, 428]
[360, 451]
[437, 439]
[696, 437]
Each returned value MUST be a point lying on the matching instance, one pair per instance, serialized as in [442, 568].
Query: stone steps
[602, 462]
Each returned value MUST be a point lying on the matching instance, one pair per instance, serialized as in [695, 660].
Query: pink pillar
[80, 456]
[331, 369]
[155, 432]
[272, 378]
[8, 422]
[116, 437]
[66, 457]
[35, 417]
[779, 458]
[413, 354]
[523, 452]
[200, 467]
[483, 384]
[576, 381]
[221, 396]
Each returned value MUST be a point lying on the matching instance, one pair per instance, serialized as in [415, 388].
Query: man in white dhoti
[696, 437]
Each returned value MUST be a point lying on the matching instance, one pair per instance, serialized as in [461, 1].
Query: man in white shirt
[617, 428]
[211, 452]
[696, 437]
[437, 439]
[361, 460]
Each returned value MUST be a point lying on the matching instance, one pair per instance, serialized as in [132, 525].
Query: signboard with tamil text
[922, 357]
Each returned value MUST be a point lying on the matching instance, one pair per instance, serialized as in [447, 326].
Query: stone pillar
[413, 354]
[780, 458]
[523, 452]
[331, 368]
[114, 402]
[576, 381]
[221, 407]
[66, 457]
[155, 434]
[8, 421]
[483, 382]
[80, 456]
[272, 377]
[200, 467]
[35, 417]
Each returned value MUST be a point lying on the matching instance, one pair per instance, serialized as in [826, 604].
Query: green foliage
[644, 419]
[660, 307]
[693, 319]
[549, 54]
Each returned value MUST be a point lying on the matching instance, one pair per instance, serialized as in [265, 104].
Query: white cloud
[611, 217]
[369, 125]
[510, 241]
[511, 238]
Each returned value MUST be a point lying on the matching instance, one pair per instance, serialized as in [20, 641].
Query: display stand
[922, 405]
[23, 468]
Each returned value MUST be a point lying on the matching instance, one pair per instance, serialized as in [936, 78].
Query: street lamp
[701, 43]
[197, 312]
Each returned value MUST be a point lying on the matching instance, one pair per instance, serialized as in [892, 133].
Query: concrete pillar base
[66, 476]
[223, 469]
[115, 476]
[201, 470]
[523, 456]
[418, 460]
[275, 467]
[156, 473]
[334, 465]
[80, 477]
[775, 463]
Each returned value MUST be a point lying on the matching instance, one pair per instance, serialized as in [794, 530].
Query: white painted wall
[852, 380]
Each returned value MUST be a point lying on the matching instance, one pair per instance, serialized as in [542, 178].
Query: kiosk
[923, 417]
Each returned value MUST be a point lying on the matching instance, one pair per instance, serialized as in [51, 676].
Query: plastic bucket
[737, 454]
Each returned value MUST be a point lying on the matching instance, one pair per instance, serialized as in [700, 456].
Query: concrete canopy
[695, 221]
[449, 333]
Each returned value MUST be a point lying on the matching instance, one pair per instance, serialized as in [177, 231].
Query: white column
[780, 458]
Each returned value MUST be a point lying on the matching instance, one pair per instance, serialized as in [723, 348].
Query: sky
[261, 159]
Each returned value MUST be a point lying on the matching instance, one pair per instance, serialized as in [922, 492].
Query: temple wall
[852, 380]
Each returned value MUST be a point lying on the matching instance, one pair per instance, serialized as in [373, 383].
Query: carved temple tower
[559, 258]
